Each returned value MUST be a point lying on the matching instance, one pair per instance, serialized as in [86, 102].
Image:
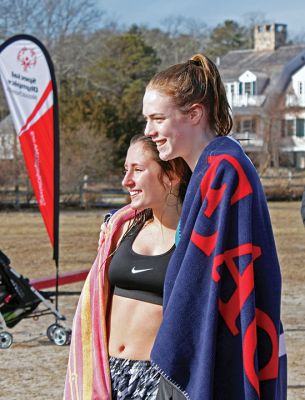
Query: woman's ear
[173, 179]
[196, 113]
[170, 178]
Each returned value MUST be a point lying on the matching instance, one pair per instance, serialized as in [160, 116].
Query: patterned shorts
[133, 379]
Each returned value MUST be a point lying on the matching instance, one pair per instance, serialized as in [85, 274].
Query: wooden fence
[285, 186]
[93, 193]
[90, 193]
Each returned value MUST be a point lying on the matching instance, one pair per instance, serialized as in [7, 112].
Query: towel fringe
[175, 384]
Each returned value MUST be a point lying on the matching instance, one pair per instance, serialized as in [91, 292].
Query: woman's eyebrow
[135, 164]
[156, 115]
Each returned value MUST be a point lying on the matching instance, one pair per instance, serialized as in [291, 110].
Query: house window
[248, 125]
[295, 127]
[290, 127]
[248, 88]
[300, 122]
[300, 88]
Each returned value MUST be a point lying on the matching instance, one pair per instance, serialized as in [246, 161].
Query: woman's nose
[127, 180]
[149, 131]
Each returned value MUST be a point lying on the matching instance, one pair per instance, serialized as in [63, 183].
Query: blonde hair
[196, 81]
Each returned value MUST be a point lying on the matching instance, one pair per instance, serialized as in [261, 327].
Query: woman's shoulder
[115, 222]
[226, 148]
[119, 216]
[223, 145]
[223, 160]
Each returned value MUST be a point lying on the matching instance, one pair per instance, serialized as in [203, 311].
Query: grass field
[33, 368]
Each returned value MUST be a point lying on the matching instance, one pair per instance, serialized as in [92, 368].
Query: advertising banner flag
[28, 79]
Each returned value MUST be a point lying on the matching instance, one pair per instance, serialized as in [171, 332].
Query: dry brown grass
[34, 369]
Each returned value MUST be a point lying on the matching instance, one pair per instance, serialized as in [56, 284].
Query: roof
[267, 63]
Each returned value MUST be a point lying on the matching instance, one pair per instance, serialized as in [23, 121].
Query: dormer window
[247, 84]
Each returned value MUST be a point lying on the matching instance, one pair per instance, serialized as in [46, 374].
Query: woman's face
[168, 127]
[144, 180]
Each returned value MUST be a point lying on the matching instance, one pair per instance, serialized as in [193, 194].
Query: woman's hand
[102, 234]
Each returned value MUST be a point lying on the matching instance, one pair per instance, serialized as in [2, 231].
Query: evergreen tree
[228, 36]
[118, 80]
[101, 108]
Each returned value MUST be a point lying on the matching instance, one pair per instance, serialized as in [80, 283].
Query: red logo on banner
[27, 58]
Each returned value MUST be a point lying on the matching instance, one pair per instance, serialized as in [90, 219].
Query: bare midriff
[133, 326]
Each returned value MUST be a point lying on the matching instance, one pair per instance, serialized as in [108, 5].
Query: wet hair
[177, 166]
[196, 81]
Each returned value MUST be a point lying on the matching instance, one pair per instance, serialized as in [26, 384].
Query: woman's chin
[136, 202]
[133, 206]
[165, 155]
[136, 205]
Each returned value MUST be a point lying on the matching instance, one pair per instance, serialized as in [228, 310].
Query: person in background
[221, 335]
[120, 308]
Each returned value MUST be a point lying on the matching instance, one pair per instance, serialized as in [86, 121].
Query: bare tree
[270, 154]
[299, 38]
[175, 26]
[179, 39]
[51, 20]
[18, 16]
[64, 27]
[85, 153]
[251, 19]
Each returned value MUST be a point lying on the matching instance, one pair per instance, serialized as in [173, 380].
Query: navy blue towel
[221, 336]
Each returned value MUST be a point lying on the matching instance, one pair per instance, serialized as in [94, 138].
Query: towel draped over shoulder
[88, 376]
[221, 336]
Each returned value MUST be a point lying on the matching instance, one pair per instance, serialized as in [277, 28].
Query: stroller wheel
[51, 330]
[61, 336]
[6, 339]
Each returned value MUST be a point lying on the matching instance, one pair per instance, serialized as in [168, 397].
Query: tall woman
[120, 309]
[221, 336]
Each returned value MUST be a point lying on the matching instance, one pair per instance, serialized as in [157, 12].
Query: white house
[272, 70]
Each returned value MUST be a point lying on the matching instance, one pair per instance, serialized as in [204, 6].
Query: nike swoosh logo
[137, 271]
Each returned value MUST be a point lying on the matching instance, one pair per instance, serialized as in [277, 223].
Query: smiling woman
[223, 283]
[169, 127]
[127, 277]
[142, 179]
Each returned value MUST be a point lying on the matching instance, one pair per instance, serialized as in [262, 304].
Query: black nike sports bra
[138, 276]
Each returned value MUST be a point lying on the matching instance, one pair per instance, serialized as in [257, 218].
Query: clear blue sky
[152, 12]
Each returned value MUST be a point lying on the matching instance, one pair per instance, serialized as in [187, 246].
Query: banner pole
[56, 185]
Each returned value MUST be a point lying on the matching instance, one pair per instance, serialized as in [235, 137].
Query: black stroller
[18, 300]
